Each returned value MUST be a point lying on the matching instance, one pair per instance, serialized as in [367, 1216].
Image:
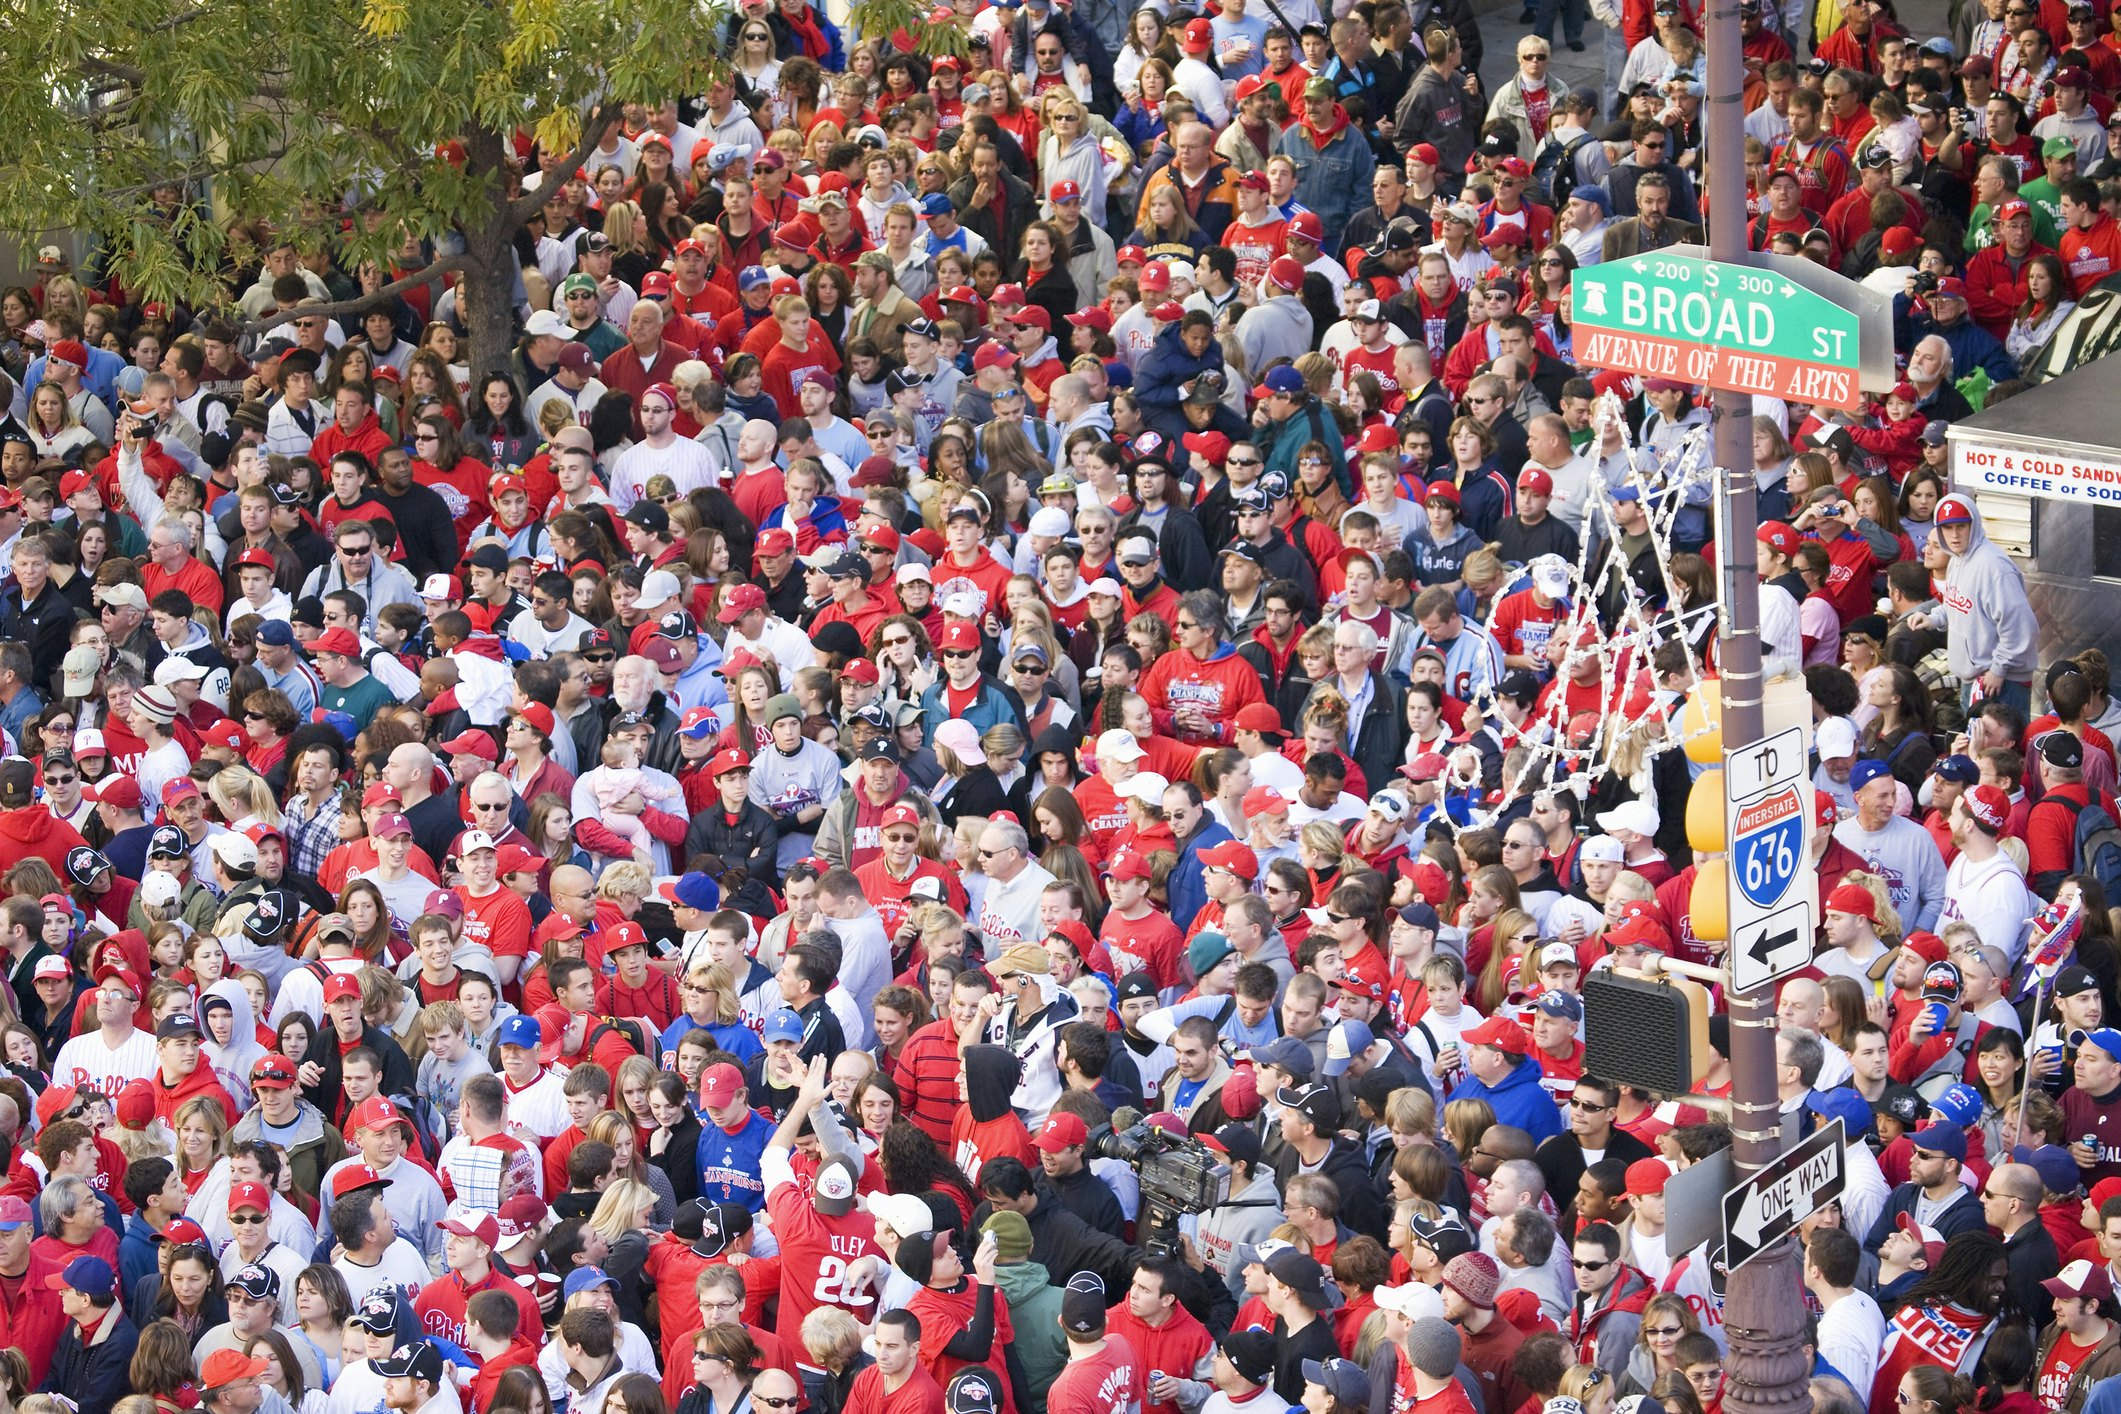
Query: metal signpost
[1769, 824]
[1770, 1203]
[1725, 325]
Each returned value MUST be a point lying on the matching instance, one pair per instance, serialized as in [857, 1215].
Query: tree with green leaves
[173, 134]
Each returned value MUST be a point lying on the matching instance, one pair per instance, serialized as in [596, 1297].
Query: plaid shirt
[310, 838]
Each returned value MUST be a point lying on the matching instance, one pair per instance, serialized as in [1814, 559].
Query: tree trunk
[490, 274]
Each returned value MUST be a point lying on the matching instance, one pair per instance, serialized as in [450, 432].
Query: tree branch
[360, 303]
[602, 119]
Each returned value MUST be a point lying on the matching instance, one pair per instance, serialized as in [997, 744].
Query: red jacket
[519, 1352]
[369, 439]
[33, 1322]
[1995, 286]
[35, 833]
[200, 1082]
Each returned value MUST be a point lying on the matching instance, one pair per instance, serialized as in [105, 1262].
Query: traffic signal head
[1653, 1035]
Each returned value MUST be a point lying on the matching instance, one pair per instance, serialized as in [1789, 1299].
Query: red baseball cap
[1990, 806]
[1779, 537]
[726, 760]
[720, 1085]
[1128, 864]
[1234, 855]
[1061, 1130]
[1854, 899]
[1501, 1033]
[1536, 481]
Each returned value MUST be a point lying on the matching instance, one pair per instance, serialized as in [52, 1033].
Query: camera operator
[1310, 1123]
[1061, 1145]
[1228, 1235]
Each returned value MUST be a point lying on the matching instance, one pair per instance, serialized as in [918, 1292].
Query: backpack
[1557, 158]
[631, 1032]
[2095, 842]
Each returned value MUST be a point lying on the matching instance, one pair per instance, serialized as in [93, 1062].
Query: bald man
[2010, 1203]
[1800, 1004]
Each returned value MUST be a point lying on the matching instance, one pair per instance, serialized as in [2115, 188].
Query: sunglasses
[1583, 1266]
[600, 657]
[247, 1219]
[771, 1403]
[958, 653]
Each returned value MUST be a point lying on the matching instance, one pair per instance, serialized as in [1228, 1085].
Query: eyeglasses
[1663, 1330]
[1030, 670]
[490, 808]
[958, 653]
[772, 1403]
[1709, 1377]
[1582, 1266]
[1553, 260]
[996, 853]
[1651, 146]
[246, 1218]
[356, 551]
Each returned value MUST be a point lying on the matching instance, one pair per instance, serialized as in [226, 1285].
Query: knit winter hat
[1434, 1346]
[1012, 1236]
[1474, 1276]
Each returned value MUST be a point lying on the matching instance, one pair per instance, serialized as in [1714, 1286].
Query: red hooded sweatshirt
[35, 833]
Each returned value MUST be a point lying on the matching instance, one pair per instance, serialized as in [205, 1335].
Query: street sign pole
[1763, 1308]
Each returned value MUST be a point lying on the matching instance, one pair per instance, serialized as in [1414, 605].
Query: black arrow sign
[1768, 944]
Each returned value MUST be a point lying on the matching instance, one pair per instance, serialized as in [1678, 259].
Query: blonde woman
[615, 1129]
[1069, 151]
[243, 798]
[627, 1205]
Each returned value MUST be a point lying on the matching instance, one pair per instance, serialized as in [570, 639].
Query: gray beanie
[1433, 1346]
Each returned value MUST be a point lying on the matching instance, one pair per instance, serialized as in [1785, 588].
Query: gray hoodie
[1229, 1236]
[1988, 618]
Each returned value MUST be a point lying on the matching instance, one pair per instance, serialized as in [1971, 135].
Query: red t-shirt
[1152, 944]
[500, 920]
[2055, 1372]
[193, 580]
[1104, 1383]
[920, 1394]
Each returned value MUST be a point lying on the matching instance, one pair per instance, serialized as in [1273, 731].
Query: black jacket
[45, 627]
[1090, 1198]
[1183, 548]
[749, 844]
[95, 1376]
[427, 533]
[397, 1079]
[1019, 209]
[1381, 736]
[1362, 1208]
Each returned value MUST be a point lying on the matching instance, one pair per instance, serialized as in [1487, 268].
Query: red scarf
[804, 23]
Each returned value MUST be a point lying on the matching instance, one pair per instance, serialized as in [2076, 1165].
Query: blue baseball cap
[1597, 196]
[340, 722]
[1420, 915]
[91, 1276]
[1627, 491]
[783, 1025]
[1284, 379]
[521, 1030]
[1843, 1104]
[1959, 769]
[2107, 1039]
[276, 633]
[1960, 1105]
[752, 277]
[1284, 1053]
[1347, 1040]
[1941, 1137]
[693, 891]
[937, 203]
[1864, 772]
[586, 1279]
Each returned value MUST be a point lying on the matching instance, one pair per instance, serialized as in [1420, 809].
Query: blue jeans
[1616, 59]
[1573, 14]
[2018, 694]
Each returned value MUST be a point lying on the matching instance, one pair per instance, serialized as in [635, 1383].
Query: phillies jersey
[1109, 1382]
[816, 1251]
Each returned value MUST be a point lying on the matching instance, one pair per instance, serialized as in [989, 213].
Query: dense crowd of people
[1027, 613]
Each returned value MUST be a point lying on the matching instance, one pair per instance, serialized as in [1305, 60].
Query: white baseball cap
[1145, 786]
[1120, 745]
[913, 571]
[1638, 816]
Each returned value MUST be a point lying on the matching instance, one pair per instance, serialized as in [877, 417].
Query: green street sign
[1717, 324]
